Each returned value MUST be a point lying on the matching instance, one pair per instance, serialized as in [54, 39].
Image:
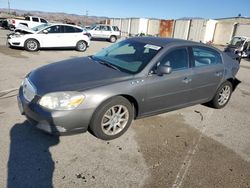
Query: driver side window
[54, 29]
[176, 59]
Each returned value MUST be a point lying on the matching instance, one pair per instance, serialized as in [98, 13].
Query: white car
[50, 36]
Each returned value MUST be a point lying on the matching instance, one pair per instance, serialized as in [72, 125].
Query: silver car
[134, 78]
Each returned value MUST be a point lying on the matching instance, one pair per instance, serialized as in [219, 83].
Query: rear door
[70, 36]
[208, 71]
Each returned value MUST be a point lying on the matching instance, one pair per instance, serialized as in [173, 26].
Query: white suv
[112, 33]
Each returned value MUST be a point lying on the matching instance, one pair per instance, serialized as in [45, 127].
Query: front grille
[29, 90]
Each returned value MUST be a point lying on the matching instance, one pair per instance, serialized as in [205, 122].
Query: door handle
[186, 80]
[218, 74]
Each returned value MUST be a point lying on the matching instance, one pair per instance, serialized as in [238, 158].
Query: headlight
[61, 100]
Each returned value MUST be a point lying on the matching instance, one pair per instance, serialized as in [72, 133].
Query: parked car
[239, 45]
[134, 78]
[50, 36]
[112, 33]
[29, 21]
[4, 23]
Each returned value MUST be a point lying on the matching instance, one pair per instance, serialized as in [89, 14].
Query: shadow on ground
[165, 141]
[30, 163]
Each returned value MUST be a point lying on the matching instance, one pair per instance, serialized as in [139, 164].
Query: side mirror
[163, 69]
[45, 31]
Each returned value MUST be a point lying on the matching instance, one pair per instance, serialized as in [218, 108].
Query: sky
[164, 9]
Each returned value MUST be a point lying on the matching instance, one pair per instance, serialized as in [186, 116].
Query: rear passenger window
[115, 28]
[68, 29]
[34, 19]
[43, 20]
[204, 56]
[176, 59]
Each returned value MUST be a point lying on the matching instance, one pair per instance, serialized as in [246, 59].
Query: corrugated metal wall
[153, 27]
[134, 29]
[166, 28]
[125, 24]
[243, 30]
[197, 30]
[181, 29]
[116, 22]
[223, 33]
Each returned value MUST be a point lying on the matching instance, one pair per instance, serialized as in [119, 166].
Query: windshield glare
[128, 56]
[38, 28]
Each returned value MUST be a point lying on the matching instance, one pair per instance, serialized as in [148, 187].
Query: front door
[169, 91]
[53, 37]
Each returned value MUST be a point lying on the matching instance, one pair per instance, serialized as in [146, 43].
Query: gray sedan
[134, 78]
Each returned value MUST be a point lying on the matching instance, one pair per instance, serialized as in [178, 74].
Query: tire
[81, 46]
[31, 45]
[112, 39]
[112, 118]
[222, 95]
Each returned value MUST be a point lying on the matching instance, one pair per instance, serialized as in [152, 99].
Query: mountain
[57, 16]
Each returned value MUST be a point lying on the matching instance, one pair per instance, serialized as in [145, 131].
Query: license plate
[20, 106]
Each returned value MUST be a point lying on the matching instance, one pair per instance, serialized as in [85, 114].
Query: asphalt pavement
[193, 147]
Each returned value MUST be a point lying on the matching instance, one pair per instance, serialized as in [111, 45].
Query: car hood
[24, 28]
[74, 75]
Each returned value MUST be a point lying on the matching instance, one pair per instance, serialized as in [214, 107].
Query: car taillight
[13, 21]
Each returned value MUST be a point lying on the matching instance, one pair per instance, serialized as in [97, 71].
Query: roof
[158, 41]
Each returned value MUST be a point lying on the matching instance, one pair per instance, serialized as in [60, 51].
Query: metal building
[242, 30]
[153, 27]
[224, 31]
[166, 28]
[181, 29]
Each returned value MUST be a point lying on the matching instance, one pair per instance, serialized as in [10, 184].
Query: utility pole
[9, 6]
[86, 17]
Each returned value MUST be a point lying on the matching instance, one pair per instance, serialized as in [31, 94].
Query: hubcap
[115, 119]
[112, 39]
[82, 46]
[32, 45]
[224, 95]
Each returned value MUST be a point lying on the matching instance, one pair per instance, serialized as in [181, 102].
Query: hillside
[56, 16]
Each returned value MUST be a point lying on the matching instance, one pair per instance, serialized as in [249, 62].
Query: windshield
[91, 27]
[38, 28]
[128, 56]
[237, 41]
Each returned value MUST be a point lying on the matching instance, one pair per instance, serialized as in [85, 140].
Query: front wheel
[222, 95]
[112, 118]
[31, 45]
[81, 46]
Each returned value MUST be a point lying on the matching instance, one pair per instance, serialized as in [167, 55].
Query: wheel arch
[130, 98]
[33, 39]
[234, 82]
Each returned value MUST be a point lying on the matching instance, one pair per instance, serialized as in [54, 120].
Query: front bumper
[54, 122]
[15, 41]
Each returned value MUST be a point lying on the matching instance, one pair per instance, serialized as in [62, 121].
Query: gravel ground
[192, 147]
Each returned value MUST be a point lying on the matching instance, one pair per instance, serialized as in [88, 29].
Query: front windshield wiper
[105, 63]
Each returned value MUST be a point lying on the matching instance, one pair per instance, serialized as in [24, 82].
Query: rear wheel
[81, 46]
[112, 118]
[222, 95]
[113, 39]
[31, 45]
